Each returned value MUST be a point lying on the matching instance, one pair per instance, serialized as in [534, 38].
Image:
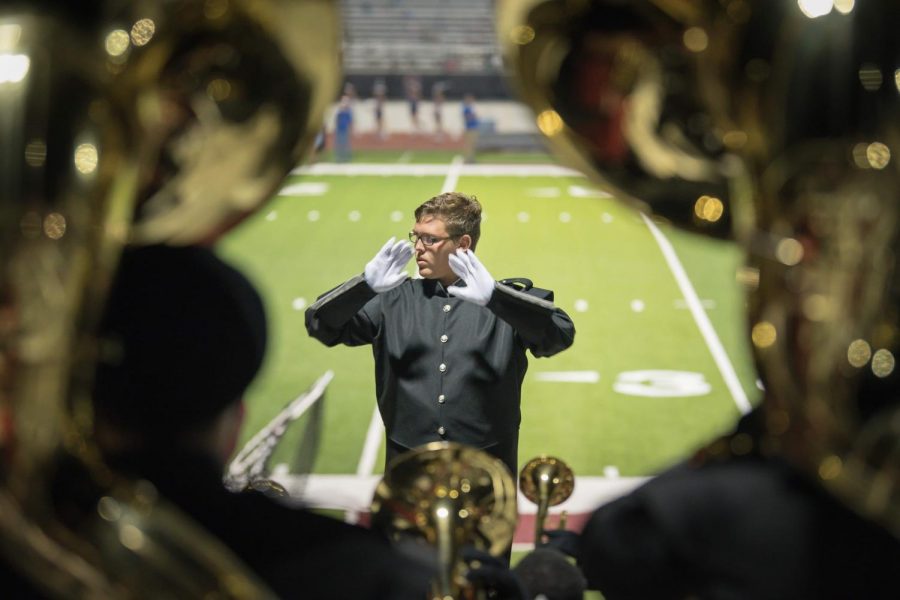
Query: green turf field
[600, 258]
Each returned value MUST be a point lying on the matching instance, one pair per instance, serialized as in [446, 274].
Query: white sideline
[392, 169]
[706, 329]
[370, 448]
[353, 493]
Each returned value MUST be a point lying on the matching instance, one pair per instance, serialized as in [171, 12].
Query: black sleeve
[348, 314]
[542, 327]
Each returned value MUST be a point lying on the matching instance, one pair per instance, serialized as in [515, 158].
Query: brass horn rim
[562, 489]
[448, 495]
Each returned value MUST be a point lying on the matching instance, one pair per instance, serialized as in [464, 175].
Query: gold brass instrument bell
[615, 93]
[178, 117]
[546, 481]
[447, 495]
[233, 92]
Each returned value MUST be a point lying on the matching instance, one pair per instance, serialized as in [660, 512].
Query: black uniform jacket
[445, 368]
[297, 553]
[742, 527]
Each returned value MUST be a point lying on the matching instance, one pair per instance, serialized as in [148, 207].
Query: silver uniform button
[443, 367]
[441, 430]
[444, 339]
[446, 308]
[441, 399]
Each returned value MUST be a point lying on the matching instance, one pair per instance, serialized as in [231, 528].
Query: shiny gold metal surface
[546, 481]
[614, 88]
[74, 162]
[819, 101]
[796, 106]
[233, 92]
[447, 495]
[179, 116]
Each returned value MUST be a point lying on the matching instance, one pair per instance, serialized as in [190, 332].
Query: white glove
[388, 269]
[479, 283]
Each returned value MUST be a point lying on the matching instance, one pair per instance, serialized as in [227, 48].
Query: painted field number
[661, 384]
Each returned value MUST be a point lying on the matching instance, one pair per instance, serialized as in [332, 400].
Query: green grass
[604, 255]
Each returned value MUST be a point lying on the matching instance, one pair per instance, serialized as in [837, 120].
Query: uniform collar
[435, 288]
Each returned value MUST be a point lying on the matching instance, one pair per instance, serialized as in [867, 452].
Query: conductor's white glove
[479, 283]
[387, 269]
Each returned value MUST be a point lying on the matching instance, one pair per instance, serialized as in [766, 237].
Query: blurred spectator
[349, 90]
[379, 95]
[412, 86]
[437, 97]
[343, 130]
[547, 574]
[183, 336]
[471, 124]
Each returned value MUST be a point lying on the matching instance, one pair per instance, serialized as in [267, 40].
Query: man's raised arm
[338, 316]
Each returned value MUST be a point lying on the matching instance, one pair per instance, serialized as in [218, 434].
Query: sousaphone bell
[448, 496]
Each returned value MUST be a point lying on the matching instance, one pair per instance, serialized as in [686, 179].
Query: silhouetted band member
[185, 335]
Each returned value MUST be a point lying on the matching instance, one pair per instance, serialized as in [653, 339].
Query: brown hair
[460, 213]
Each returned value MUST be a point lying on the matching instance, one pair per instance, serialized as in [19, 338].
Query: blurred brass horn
[546, 481]
[665, 100]
[447, 495]
[89, 94]
[68, 174]
[234, 92]
[614, 88]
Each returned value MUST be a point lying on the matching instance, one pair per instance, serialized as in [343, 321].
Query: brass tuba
[546, 481]
[447, 495]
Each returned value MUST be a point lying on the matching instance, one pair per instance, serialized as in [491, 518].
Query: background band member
[449, 348]
[184, 335]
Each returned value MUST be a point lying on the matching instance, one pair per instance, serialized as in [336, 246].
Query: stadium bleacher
[451, 42]
[419, 36]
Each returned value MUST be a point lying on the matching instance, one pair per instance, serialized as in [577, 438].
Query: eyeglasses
[426, 239]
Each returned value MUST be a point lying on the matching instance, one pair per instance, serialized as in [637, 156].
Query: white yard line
[706, 329]
[568, 376]
[293, 411]
[452, 175]
[370, 448]
[364, 475]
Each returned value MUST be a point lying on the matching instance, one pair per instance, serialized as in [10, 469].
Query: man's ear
[465, 242]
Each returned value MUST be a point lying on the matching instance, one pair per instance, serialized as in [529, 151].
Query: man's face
[434, 260]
